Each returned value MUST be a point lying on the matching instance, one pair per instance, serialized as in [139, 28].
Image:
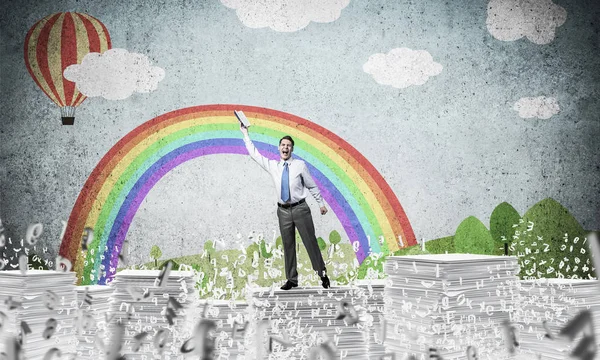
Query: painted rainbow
[358, 195]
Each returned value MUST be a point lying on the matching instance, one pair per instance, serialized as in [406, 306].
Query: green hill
[547, 240]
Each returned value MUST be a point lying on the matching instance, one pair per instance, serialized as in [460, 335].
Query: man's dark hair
[287, 137]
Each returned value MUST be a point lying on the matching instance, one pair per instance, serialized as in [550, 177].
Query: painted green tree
[322, 243]
[251, 249]
[472, 237]
[334, 238]
[550, 243]
[209, 247]
[502, 220]
[155, 253]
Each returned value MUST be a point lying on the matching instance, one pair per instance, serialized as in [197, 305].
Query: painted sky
[460, 106]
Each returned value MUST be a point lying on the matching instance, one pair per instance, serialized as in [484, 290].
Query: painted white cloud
[286, 15]
[114, 74]
[537, 20]
[402, 67]
[540, 107]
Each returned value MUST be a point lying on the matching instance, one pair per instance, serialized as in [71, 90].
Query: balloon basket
[68, 120]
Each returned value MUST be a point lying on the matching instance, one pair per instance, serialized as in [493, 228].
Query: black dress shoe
[325, 282]
[288, 285]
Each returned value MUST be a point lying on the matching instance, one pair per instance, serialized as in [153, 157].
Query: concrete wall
[449, 148]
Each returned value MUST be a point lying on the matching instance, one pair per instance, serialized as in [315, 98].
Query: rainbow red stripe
[354, 190]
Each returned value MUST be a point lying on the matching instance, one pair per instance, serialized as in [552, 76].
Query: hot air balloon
[54, 43]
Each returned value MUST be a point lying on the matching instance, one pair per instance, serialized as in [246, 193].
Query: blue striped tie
[285, 183]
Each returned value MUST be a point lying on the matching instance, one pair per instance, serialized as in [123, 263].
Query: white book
[242, 118]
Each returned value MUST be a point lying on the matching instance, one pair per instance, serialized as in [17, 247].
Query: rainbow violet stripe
[356, 193]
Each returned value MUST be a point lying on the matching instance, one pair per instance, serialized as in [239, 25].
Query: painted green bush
[502, 220]
[371, 262]
[36, 262]
[228, 271]
[411, 250]
[440, 246]
[263, 250]
[174, 264]
[404, 250]
[416, 250]
[550, 243]
[472, 237]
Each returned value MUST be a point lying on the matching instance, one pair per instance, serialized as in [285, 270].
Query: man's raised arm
[254, 154]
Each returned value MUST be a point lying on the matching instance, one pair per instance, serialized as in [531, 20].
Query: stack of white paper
[372, 300]
[144, 308]
[305, 318]
[227, 315]
[555, 302]
[94, 309]
[41, 305]
[444, 304]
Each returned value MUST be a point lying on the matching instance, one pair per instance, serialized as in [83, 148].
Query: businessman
[293, 183]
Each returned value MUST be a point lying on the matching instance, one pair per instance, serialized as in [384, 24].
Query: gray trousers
[299, 217]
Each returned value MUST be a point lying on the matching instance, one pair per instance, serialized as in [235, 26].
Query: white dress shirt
[301, 183]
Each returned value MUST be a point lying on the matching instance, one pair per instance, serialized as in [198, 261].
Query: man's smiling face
[285, 149]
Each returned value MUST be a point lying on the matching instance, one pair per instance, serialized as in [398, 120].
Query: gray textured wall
[450, 148]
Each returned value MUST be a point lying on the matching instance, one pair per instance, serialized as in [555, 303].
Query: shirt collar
[289, 161]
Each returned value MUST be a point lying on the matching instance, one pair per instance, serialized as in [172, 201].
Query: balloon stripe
[84, 37]
[53, 54]
[31, 60]
[41, 59]
[93, 37]
[68, 55]
[79, 99]
[83, 48]
[105, 32]
[103, 35]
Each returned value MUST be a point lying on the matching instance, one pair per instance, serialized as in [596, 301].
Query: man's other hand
[323, 210]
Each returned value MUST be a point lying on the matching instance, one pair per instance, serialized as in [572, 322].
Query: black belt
[285, 206]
